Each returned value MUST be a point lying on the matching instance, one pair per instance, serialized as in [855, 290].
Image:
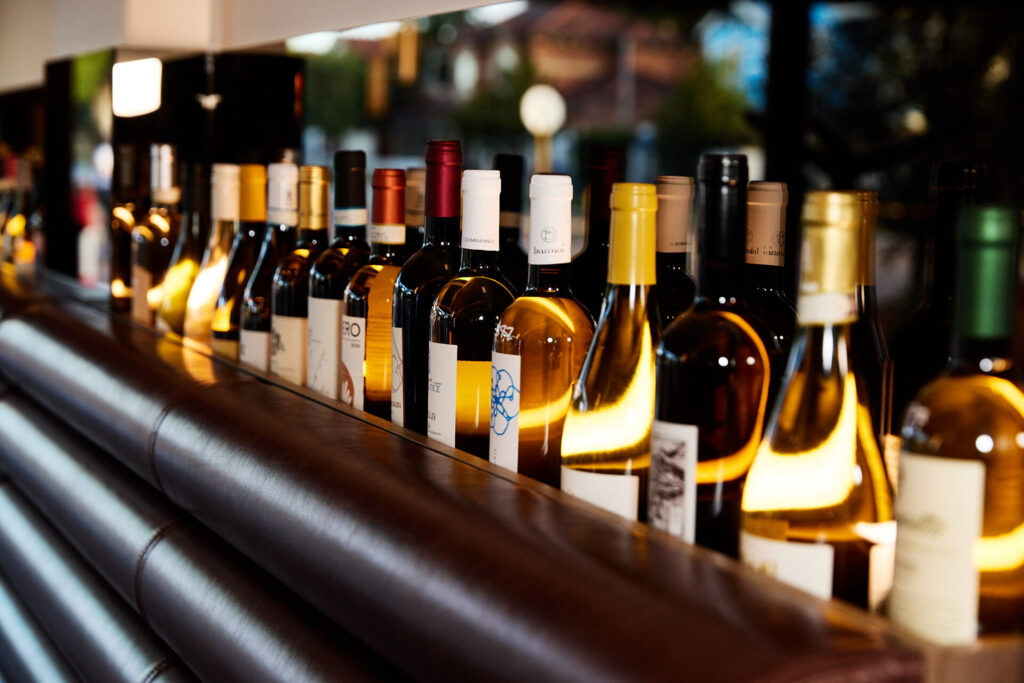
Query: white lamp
[136, 87]
[542, 111]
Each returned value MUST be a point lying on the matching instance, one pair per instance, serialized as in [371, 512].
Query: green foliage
[335, 91]
[704, 111]
[492, 113]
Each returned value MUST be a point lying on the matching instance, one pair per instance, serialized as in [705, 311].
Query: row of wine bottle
[675, 408]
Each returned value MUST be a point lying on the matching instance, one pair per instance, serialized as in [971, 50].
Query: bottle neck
[549, 280]
[384, 251]
[442, 231]
[768, 278]
[479, 261]
[312, 238]
[347, 234]
[280, 239]
[598, 232]
[940, 251]
[975, 356]
[721, 241]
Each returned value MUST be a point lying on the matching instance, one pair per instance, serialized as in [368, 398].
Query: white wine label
[254, 349]
[350, 216]
[397, 378]
[505, 390]
[766, 238]
[324, 348]
[142, 280]
[826, 308]
[618, 493]
[807, 566]
[550, 232]
[353, 354]
[441, 391]
[672, 505]
[939, 515]
[384, 233]
[288, 347]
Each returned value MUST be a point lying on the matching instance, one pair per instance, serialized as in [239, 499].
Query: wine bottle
[921, 350]
[278, 242]
[188, 252]
[225, 207]
[511, 258]
[415, 199]
[418, 283]
[15, 227]
[817, 505]
[606, 449]
[241, 261]
[333, 269]
[606, 165]
[366, 321]
[676, 288]
[764, 269]
[129, 206]
[540, 344]
[716, 370]
[462, 323]
[290, 290]
[154, 238]
[960, 507]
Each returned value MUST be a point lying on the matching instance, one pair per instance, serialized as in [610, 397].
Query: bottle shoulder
[954, 408]
[337, 260]
[473, 295]
[544, 319]
[429, 262]
[714, 330]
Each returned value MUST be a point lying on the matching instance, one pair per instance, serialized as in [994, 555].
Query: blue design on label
[503, 395]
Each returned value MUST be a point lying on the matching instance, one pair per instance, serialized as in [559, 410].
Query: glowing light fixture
[542, 111]
[136, 87]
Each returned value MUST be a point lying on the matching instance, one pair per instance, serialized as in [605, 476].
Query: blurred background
[819, 95]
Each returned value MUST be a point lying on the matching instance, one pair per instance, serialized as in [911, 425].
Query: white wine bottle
[540, 344]
[960, 507]
[606, 442]
[817, 506]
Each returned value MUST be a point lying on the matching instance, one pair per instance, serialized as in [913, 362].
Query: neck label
[550, 233]
[350, 217]
[826, 308]
[766, 238]
[480, 220]
[385, 233]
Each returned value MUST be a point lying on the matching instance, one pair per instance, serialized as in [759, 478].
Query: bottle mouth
[547, 186]
[444, 152]
[728, 169]
[388, 196]
[634, 196]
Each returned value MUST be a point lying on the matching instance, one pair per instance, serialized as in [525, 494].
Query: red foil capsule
[444, 178]
[388, 196]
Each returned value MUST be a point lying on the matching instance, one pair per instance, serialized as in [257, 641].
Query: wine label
[939, 512]
[672, 504]
[505, 391]
[254, 349]
[350, 216]
[550, 233]
[826, 308]
[288, 347]
[142, 281]
[353, 353]
[397, 378]
[618, 493]
[384, 233]
[441, 391]
[881, 559]
[766, 238]
[324, 347]
[807, 566]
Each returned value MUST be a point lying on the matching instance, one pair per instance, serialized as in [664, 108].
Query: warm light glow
[118, 290]
[136, 87]
[122, 214]
[202, 299]
[1000, 553]
[155, 296]
[818, 478]
[542, 110]
[623, 425]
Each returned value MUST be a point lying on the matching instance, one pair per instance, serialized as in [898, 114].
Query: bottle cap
[725, 169]
[675, 213]
[480, 208]
[721, 234]
[633, 234]
[444, 168]
[415, 196]
[350, 179]
[253, 193]
[606, 165]
[283, 194]
[225, 200]
[869, 217]
[967, 176]
[313, 196]
[987, 237]
[164, 187]
[766, 223]
[387, 225]
[829, 261]
[550, 219]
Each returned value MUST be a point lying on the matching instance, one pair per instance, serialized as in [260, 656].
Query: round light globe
[542, 110]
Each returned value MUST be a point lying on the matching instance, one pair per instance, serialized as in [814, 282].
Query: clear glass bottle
[817, 505]
[154, 238]
[188, 251]
[606, 441]
[540, 344]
